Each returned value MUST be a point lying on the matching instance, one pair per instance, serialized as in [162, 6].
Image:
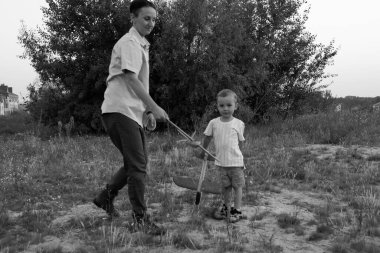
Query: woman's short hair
[136, 5]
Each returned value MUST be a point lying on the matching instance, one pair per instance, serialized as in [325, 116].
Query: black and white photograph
[205, 126]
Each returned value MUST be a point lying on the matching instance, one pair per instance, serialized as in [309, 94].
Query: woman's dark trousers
[129, 138]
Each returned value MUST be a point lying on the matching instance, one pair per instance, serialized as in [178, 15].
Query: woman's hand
[149, 121]
[160, 114]
[151, 124]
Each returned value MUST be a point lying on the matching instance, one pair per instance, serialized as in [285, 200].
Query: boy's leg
[227, 193]
[238, 182]
[238, 197]
[226, 187]
[226, 184]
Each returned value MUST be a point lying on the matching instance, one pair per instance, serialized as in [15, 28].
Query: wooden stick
[201, 178]
[184, 134]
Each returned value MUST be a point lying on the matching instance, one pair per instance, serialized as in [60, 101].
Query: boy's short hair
[136, 5]
[225, 93]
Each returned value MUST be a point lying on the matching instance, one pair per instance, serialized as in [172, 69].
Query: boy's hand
[200, 154]
[203, 155]
[194, 144]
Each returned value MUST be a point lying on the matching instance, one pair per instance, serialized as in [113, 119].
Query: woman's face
[145, 20]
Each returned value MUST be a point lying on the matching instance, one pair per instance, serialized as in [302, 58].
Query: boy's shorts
[231, 176]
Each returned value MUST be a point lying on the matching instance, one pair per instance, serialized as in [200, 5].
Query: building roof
[376, 105]
[7, 91]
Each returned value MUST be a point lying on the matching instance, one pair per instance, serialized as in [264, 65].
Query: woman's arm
[138, 88]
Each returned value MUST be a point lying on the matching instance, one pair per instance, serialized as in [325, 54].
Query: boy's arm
[196, 144]
[241, 136]
[206, 142]
[240, 147]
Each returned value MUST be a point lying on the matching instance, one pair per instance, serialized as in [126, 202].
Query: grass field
[312, 185]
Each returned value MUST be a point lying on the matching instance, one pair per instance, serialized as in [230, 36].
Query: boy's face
[145, 20]
[226, 106]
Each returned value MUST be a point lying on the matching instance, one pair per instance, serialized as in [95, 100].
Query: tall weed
[16, 122]
[333, 128]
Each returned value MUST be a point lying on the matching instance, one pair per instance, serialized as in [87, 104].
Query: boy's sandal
[236, 218]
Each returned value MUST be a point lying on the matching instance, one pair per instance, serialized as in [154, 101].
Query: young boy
[126, 106]
[227, 132]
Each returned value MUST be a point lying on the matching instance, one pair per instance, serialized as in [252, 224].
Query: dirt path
[263, 234]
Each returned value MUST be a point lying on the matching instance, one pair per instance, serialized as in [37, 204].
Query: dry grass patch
[48, 182]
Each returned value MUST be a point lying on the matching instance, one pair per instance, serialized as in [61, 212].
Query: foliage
[260, 49]
[345, 127]
[352, 103]
[71, 53]
[286, 220]
[17, 122]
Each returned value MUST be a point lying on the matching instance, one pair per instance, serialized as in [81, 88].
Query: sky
[353, 25]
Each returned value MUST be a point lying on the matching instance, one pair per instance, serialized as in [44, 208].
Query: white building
[2, 112]
[8, 100]
[376, 107]
[338, 108]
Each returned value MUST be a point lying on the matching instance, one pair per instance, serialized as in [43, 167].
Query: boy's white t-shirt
[129, 53]
[226, 137]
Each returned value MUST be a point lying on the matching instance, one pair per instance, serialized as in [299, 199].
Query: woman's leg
[129, 138]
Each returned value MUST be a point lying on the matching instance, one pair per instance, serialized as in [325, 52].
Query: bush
[334, 128]
[16, 122]
[285, 220]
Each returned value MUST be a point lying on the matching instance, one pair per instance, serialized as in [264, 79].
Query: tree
[178, 82]
[71, 54]
[200, 51]
[259, 48]
[291, 62]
